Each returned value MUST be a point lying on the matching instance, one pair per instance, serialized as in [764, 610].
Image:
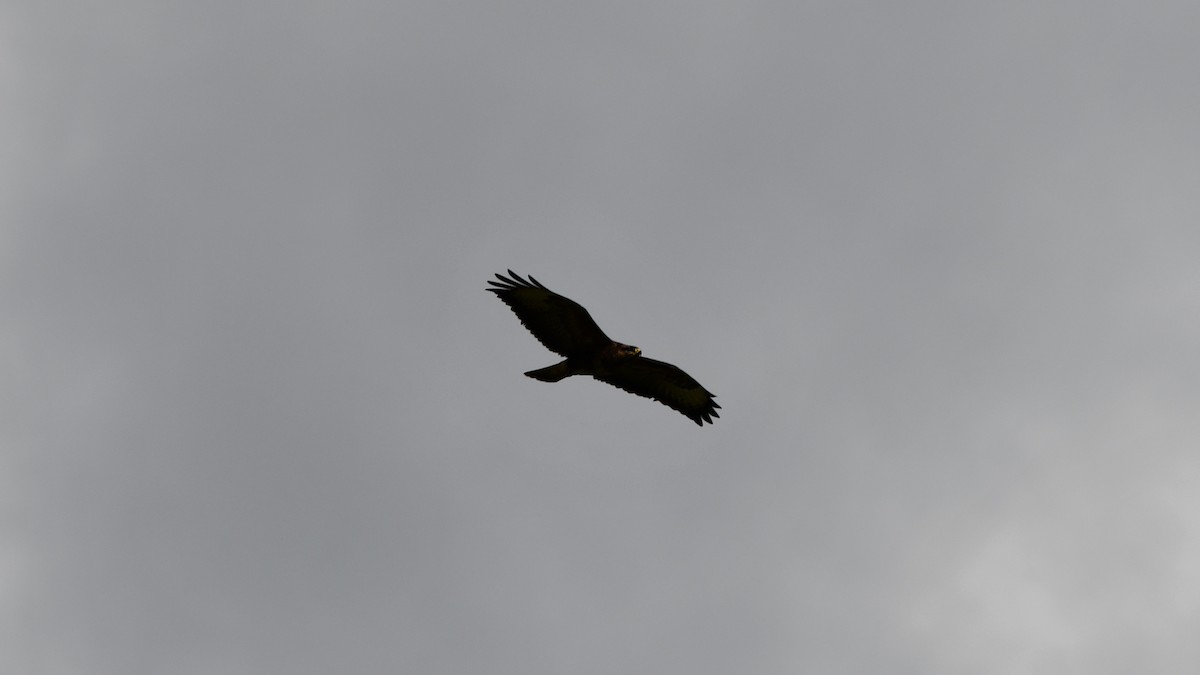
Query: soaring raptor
[566, 329]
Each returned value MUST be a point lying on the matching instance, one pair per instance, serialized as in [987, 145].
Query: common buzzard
[566, 329]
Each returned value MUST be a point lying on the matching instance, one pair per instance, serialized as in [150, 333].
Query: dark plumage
[566, 329]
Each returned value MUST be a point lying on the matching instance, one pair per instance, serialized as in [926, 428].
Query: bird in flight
[564, 327]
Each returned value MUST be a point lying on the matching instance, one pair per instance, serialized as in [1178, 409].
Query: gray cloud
[937, 263]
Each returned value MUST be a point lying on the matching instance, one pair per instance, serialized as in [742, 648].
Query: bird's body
[566, 328]
[599, 364]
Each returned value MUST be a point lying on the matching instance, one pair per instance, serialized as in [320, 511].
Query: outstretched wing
[664, 383]
[559, 323]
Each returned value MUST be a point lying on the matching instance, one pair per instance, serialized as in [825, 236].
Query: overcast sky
[939, 261]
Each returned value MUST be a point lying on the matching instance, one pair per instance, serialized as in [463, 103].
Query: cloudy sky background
[938, 261]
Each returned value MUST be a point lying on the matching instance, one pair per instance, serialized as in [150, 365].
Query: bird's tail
[552, 373]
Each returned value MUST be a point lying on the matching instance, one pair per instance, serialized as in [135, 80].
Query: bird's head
[630, 350]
